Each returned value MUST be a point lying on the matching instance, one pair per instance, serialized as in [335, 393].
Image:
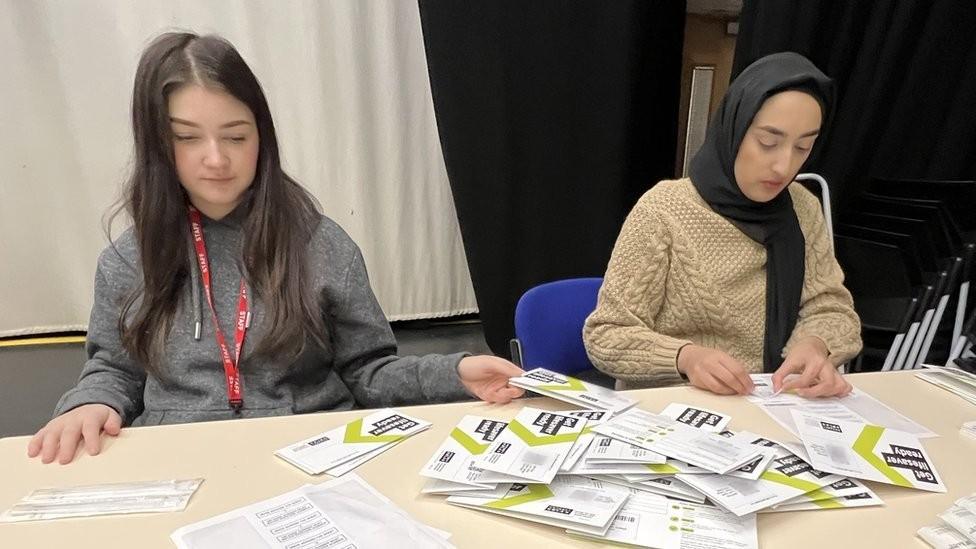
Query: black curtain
[554, 117]
[906, 77]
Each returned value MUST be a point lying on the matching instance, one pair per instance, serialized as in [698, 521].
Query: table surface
[236, 460]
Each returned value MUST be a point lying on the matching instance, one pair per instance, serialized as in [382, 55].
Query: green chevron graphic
[864, 446]
[662, 468]
[832, 503]
[354, 434]
[469, 443]
[536, 492]
[818, 495]
[533, 439]
[779, 478]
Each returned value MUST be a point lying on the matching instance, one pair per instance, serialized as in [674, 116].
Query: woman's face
[215, 145]
[776, 144]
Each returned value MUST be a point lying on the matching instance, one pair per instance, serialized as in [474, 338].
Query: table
[235, 458]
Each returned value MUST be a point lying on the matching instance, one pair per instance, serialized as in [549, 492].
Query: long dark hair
[280, 214]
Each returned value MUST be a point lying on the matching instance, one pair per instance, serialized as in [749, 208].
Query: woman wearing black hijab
[731, 272]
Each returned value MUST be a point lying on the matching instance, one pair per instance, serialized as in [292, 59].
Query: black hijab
[774, 223]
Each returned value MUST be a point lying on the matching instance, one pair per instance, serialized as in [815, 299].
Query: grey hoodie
[359, 368]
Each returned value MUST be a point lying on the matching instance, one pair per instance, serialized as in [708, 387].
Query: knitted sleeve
[826, 307]
[619, 335]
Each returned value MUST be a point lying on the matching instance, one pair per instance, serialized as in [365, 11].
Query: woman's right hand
[60, 437]
[713, 370]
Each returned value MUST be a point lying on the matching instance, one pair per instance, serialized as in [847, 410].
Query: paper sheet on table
[344, 512]
[857, 406]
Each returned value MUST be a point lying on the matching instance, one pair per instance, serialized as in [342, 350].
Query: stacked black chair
[907, 255]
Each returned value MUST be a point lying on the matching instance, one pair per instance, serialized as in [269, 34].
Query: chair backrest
[931, 211]
[958, 196]
[818, 185]
[549, 324]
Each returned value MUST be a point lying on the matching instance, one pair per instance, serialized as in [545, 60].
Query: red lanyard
[231, 371]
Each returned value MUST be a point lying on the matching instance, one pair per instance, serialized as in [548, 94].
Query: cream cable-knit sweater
[681, 273]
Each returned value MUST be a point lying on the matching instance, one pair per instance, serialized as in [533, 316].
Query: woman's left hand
[818, 375]
[486, 377]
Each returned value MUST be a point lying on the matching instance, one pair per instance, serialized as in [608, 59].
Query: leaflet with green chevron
[533, 439]
[354, 434]
[536, 492]
[572, 384]
[662, 468]
[805, 486]
[864, 447]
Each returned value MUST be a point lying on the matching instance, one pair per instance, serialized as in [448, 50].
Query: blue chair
[549, 328]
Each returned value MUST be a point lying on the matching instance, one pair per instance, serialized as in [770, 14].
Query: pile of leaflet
[669, 479]
[567, 469]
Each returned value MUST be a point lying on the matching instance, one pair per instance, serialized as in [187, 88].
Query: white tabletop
[236, 460]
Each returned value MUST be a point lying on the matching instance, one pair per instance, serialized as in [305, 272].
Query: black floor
[32, 378]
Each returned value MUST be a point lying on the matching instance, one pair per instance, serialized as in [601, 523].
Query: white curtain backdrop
[348, 87]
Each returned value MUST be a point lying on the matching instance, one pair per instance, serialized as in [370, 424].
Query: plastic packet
[156, 496]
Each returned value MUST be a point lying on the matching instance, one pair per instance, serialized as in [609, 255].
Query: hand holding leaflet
[572, 390]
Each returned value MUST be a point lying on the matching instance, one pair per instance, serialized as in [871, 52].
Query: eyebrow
[780, 133]
[235, 123]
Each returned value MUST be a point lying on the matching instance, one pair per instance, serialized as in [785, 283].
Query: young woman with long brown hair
[231, 296]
